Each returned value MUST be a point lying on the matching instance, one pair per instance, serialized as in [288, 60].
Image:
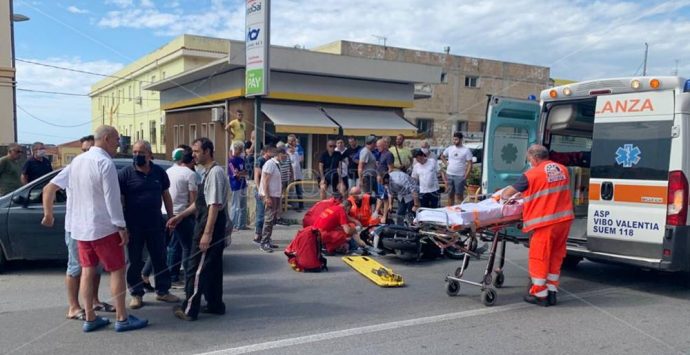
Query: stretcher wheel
[499, 279]
[489, 297]
[458, 272]
[452, 288]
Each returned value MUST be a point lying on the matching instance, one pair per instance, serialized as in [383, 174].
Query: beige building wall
[120, 100]
[453, 105]
[7, 76]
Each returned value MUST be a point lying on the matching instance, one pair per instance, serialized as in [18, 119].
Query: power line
[53, 124]
[77, 94]
[80, 71]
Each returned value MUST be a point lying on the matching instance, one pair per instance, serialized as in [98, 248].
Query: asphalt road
[603, 309]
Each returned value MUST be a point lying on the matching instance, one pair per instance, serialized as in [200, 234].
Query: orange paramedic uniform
[548, 214]
[363, 213]
[329, 223]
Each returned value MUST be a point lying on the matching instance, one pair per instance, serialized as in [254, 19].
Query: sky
[578, 40]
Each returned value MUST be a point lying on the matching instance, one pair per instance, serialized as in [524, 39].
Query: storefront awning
[366, 121]
[299, 118]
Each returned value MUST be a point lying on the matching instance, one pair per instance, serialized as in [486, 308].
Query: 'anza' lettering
[623, 106]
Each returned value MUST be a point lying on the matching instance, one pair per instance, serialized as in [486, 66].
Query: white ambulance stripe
[196, 283]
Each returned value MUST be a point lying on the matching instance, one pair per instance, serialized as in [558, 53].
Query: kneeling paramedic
[337, 228]
[548, 214]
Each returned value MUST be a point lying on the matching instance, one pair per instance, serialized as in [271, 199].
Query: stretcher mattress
[466, 215]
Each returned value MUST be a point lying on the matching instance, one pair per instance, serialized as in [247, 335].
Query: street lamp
[15, 18]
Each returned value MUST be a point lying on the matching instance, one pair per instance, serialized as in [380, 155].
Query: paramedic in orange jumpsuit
[548, 214]
[361, 209]
[337, 228]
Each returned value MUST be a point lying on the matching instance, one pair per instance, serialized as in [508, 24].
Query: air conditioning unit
[217, 114]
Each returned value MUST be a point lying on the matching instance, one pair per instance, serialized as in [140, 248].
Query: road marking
[314, 338]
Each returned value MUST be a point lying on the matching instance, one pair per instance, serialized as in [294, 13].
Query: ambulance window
[566, 144]
[509, 148]
[631, 150]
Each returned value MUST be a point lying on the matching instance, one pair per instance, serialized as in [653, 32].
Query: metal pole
[644, 69]
[14, 75]
[257, 130]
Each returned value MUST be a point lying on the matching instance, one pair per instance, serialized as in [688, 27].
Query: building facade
[120, 101]
[459, 102]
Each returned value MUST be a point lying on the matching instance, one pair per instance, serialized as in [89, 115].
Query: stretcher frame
[465, 240]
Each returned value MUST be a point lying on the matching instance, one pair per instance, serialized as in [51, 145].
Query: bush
[475, 177]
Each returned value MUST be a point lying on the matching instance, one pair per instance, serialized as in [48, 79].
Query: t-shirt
[285, 167]
[235, 167]
[274, 184]
[216, 187]
[34, 169]
[296, 166]
[427, 175]
[236, 128]
[385, 160]
[458, 157]
[331, 218]
[402, 186]
[182, 181]
[331, 163]
[402, 155]
[522, 184]
[143, 194]
[352, 155]
[10, 172]
[369, 160]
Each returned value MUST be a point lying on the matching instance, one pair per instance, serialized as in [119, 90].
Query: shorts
[73, 265]
[333, 180]
[106, 250]
[456, 185]
[381, 192]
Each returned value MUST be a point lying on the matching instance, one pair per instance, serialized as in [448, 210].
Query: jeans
[239, 208]
[300, 194]
[403, 209]
[260, 213]
[352, 182]
[179, 248]
[429, 200]
[153, 238]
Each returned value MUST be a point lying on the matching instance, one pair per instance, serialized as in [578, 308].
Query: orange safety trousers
[546, 253]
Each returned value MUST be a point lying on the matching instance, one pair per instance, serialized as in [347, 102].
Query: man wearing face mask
[144, 187]
[37, 165]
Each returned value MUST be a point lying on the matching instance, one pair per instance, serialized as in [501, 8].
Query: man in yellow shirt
[236, 127]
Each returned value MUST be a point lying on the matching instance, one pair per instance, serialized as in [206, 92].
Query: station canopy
[299, 118]
[357, 121]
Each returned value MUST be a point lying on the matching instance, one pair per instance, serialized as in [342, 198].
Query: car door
[28, 237]
[511, 127]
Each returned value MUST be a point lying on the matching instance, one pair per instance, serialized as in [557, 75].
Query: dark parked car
[22, 237]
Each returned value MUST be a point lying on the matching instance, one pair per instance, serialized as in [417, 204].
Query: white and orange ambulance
[626, 142]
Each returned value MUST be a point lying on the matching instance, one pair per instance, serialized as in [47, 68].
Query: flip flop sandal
[81, 315]
[104, 307]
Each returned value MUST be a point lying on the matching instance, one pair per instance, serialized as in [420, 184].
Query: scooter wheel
[489, 297]
[452, 288]
[499, 279]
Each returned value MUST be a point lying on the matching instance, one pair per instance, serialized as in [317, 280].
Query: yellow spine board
[374, 271]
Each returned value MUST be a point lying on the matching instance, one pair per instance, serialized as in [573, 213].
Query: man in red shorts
[337, 228]
[99, 229]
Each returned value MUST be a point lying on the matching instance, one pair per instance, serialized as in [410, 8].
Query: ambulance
[626, 143]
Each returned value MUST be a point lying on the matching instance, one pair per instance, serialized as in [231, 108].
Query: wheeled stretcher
[463, 225]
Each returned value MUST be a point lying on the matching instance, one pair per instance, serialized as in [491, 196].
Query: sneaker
[132, 323]
[273, 246]
[177, 285]
[97, 323]
[266, 248]
[552, 298]
[168, 297]
[539, 301]
[147, 287]
[257, 240]
[179, 313]
[136, 302]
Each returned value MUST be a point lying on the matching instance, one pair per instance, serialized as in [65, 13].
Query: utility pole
[675, 71]
[644, 68]
[381, 38]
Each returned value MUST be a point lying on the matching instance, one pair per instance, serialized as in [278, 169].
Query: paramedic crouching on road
[548, 213]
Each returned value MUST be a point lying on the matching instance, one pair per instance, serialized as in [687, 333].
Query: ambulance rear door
[631, 152]
[512, 125]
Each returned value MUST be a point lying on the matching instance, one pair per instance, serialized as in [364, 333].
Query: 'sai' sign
[257, 39]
